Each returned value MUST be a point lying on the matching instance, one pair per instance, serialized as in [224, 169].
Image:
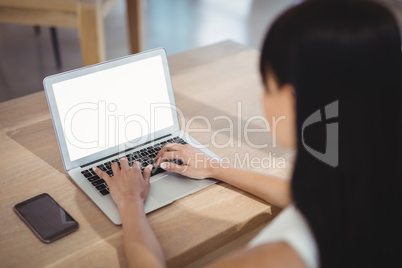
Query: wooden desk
[85, 15]
[194, 230]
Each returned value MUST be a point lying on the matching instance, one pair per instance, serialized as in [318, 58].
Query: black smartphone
[45, 217]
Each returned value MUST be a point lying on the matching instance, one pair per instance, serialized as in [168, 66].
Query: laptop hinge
[129, 149]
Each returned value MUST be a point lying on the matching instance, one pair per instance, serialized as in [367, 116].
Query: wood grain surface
[208, 82]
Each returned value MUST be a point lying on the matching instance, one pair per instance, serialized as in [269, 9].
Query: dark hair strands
[350, 52]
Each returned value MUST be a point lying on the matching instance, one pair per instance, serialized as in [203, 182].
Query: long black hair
[348, 54]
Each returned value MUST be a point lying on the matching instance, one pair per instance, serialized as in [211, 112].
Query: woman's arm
[141, 247]
[129, 189]
[267, 187]
[197, 165]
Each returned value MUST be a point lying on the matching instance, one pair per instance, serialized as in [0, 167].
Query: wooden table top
[219, 82]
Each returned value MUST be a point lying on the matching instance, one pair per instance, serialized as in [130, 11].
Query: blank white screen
[110, 107]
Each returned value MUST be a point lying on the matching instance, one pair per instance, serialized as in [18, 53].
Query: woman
[344, 214]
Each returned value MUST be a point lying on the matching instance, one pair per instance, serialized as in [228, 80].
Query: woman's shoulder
[285, 242]
[290, 227]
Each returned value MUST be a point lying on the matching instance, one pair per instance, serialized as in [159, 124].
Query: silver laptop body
[112, 109]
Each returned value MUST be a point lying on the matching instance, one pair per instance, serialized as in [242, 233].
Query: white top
[290, 226]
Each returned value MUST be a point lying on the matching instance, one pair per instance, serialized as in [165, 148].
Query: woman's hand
[128, 184]
[196, 164]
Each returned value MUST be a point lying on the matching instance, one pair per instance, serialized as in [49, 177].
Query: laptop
[122, 107]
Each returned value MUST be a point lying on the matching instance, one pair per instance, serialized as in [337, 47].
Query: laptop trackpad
[170, 187]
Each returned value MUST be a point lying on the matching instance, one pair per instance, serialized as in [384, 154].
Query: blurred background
[26, 53]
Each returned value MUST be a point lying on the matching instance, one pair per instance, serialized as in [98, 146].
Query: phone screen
[47, 219]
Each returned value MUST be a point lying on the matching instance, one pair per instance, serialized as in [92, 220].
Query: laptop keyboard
[145, 156]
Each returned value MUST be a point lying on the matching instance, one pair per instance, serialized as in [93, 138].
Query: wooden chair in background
[85, 15]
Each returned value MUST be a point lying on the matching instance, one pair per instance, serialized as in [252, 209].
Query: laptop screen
[104, 109]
